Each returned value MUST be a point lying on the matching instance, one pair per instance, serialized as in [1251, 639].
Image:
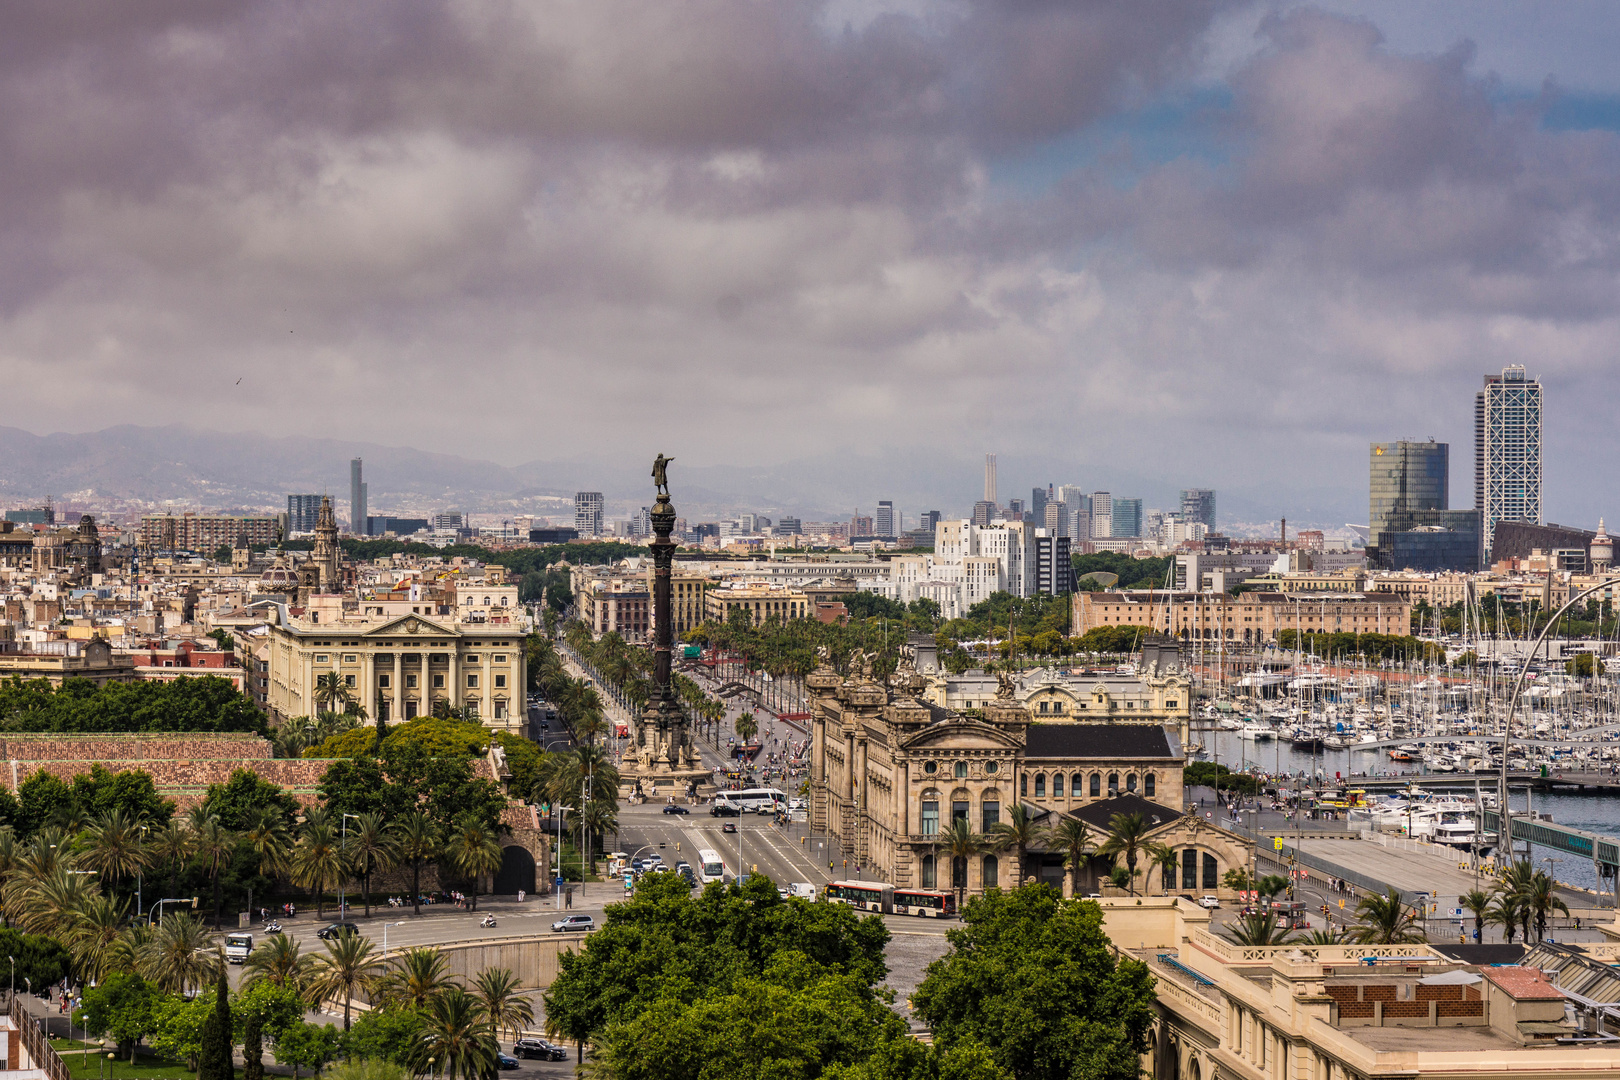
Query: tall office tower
[1102, 515]
[983, 512]
[885, 523]
[1054, 571]
[1198, 505]
[990, 479]
[1507, 450]
[303, 511]
[1409, 526]
[1056, 519]
[929, 519]
[357, 499]
[859, 525]
[588, 507]
[1077, 525]
[1037, 504]
[1127, 517]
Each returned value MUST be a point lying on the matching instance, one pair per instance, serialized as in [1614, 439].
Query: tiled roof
[1074, 740]
[1100, 814]
[1522, 983]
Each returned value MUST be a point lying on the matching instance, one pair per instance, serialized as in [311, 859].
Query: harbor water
[1595, 813]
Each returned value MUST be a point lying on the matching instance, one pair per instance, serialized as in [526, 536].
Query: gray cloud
[572, 230]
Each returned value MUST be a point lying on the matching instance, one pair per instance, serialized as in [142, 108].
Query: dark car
[730, 826]
[505, 1061]
[539, 1049]
[333, 930]
[722, 810]
[673, 809]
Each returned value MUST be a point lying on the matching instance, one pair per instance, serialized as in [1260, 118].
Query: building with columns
[401, 665]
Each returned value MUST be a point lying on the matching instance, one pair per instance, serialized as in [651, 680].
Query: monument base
[657, 782]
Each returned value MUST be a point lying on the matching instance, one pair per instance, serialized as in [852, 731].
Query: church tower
[325, 555]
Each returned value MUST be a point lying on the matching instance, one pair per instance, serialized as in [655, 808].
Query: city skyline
[1305, 229]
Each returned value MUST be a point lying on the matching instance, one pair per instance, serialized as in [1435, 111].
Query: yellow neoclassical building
[401, 666]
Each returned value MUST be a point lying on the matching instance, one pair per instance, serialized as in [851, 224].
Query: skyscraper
[1102, 515]
[303, 511]
[928, 520]
[1037, 504]
[1198, 506]
[357, 499]
[1507, 450]
[1410, 525]
[885, 523]
[588, 506]
[1127, 516]
[990, 479]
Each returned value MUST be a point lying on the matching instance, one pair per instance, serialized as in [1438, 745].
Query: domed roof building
[1601, 552]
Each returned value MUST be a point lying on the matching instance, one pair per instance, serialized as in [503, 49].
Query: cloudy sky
[1137, 242]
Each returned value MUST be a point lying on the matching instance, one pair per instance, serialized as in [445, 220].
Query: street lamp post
[343, 882]
[385, 936]
[557, 812]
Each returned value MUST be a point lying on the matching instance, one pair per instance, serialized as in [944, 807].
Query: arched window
[990, 803]
[1212, 878]
[1130, 783]
[1148, 785]
[1075, 783]
[1040, 785]
[991, 868]
[1189, 868]
[928, 871]
[1023, 784]
[1057, 785]
[959, 872]
[1096, 784]
[930, 813]
[1113, 784]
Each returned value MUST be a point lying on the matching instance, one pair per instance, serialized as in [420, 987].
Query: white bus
[710, 867]
[760, 800]
[877, 896]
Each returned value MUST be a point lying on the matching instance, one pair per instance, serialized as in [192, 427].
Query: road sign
[1276, 843]
[1341, 905]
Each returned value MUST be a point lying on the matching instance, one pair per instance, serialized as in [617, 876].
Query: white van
[238, 947]
[803, 890]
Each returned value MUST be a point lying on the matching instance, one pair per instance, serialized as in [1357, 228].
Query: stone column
[452, 677]
[489, 692]
[398, 710]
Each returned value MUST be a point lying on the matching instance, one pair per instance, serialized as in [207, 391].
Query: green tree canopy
[189, 703]
[1062, 1006]
[239, 801]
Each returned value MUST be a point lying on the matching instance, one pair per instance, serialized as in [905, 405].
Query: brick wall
[176, 746]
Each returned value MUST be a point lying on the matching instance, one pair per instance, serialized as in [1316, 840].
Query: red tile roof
[1522, 983]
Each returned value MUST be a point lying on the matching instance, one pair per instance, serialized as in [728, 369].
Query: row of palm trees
[1523, 896]
[416, 979]
[625, 667]
[1126, 839]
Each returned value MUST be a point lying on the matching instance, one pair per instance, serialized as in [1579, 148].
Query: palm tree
[596, 820]
[318, 860]
[1328, 936]
[500, 1002]
[457, 1042]
[51, 904]
[747, 726]
[1018, 832]
[96, 927]
[418, 840]
[113, 846]
[1070, 836]
[347, 966]
[415, 976]
[180, 954]
[279, 962]
[1540, 900]
[1168, 860]
[960, 843]
[1257, 929]
[268, 836]
[1128, 838]
[171, 846]
[1504, 912]
[1385, 920]
[474, 850]
[329, 691]
[216, 846]
[1478, 902]
[371, 848]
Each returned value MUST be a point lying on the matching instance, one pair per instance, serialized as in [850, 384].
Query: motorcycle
[272, 928]
[488, 920]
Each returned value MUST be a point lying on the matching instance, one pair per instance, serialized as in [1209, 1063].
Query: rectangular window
[410, 682]
[348, 681]
[500, 682]
[472, 680]
[500, 710]
[959, 812]
[500, 658]
[383, 681]
[930, 818]
[1189, 869]
[992, 815]
[438, 682]
[410, 710]
[349, 658]
[322, 658]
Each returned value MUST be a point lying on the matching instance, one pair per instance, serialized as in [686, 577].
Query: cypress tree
[252, 1046]
[216, 1061]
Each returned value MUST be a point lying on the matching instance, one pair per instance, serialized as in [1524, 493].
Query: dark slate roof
[1098, 741]
[1099, 814]
[1480, 954]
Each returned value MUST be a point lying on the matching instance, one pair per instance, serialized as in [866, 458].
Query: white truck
[238, 947]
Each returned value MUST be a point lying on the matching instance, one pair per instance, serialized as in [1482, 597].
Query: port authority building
[1246, 619]
[892, 769]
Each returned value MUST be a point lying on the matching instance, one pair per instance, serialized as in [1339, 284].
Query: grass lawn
[94, 1065]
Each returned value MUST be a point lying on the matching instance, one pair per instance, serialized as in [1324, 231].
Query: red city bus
[926, 903]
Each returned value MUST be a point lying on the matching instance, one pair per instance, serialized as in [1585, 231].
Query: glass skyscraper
[1410, 525]
[1507, 450]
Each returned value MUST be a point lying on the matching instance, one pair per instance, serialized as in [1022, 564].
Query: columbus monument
[663, 760]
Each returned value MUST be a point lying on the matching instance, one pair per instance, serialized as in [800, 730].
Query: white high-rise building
[588, 507]
[990, 479]
[968, 564]
[1507, 450]
[1102, 515]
